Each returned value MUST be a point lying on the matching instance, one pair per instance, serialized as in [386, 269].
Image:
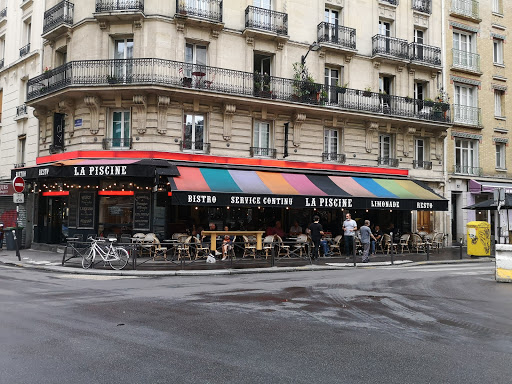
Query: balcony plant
[183, 10]
[112, 79]
[304, 86]
[367, 92]
[341, 88]
[408, 99]
[428, 102]
[262, 84]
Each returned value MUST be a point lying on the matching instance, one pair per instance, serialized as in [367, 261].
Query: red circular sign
[19, 184]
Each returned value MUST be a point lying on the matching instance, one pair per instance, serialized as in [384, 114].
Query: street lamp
[313, 47]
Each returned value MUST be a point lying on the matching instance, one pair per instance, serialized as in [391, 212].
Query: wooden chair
[404, 243]
[183, 248]
[335, 247]
[249, 248]
[417, 242]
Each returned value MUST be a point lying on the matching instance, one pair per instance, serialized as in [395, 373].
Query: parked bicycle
[117, 257]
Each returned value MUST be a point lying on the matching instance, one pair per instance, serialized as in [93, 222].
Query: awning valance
[488, 187]
[229, 187]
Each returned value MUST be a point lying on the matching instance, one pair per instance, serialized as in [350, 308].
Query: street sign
[18, 198]
[19, 184]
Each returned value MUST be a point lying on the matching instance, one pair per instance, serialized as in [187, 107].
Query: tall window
[261, 139]
[418, 47]
[2, 47]
[464, 50]
[419, 150]
[500, 156]
[195, 55]
[263, 19]
[385, 84]
[193, 132]
[22, 139]
[465, 110]
[331, 16]
[28, 30]
[384, 30]
[497, 52]
[1, 103]
[497, 6]
[123, 50]
[332, 79]
[498, 103]
[121, 129]
[466, 160]
[385, 149]
[331, 142]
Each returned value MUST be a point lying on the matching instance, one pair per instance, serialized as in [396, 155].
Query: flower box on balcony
[113, 80]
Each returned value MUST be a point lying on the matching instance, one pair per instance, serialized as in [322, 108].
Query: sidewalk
[51, 261]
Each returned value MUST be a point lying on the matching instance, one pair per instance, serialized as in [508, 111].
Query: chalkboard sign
[73, 196]
[86, 210]
[142, 211]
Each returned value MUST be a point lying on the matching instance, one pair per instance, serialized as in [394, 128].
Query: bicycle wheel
[119, 260]
[88, 257]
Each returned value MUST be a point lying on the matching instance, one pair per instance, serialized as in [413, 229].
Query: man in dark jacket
[316, 235]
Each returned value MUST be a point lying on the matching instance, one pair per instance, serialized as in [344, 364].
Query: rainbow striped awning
[230, 187]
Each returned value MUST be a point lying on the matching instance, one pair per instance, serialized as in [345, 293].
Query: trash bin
[9, 238]
[479, 238]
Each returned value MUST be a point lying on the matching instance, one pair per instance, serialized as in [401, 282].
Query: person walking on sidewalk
[366, 235]
[316, 235]
[349, 228]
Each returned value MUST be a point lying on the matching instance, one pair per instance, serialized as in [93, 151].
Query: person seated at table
[206, 240]
[324, 244]
[276, 230]
[296, 229]
[377, 233]
[226, 246]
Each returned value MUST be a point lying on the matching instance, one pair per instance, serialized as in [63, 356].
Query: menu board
[142, 211]
[86, 210]
[72, 209]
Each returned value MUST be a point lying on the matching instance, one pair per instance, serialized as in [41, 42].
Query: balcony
[210, 10]
[194, 146]
[424, 6]
[117, 143]
[1, 63]
[462, 114]
[58, 19]
[466, 9]
[392, 2]
[467, 170]
[263, 152]
[119, 6]
[183, 76]
[335, 157]
[466, 61]
[3, 13]
[25, 50]
[388, 161]
[425, 55]
[19, 165]
[339, 36]
[390, 47]
[420, 164]
[21, 112]
[266, 20]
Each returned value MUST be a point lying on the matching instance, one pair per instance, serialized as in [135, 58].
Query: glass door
[123, 53]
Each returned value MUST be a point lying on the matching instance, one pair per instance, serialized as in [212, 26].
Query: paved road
[430, 324]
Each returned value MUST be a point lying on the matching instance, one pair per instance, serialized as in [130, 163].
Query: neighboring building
[20, 59]
[210, 86]
[478, 155]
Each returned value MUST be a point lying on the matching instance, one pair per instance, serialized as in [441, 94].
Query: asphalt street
[416, 324]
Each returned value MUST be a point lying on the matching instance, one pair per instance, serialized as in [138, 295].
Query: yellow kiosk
[479, 238]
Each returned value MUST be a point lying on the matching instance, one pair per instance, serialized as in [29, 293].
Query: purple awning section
[488, 187]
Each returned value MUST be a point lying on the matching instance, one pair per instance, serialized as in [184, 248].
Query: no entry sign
[19, 184]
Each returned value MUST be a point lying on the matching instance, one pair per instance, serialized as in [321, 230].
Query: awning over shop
[490, 205]
[229, 187]
[488, 187]
[82, 168]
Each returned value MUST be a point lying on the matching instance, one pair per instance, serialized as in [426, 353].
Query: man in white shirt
[349, 228]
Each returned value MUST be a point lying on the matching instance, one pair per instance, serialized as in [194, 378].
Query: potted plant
[428, 102]
[408, 99]
[367, 92]
[341, 88]
[112, 79]
[183, 10]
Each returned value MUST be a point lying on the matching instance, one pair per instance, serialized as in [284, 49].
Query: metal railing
[207, 9]
[3, 12]
[25, 50]
[425, 53]
[62, 13]
[422, 5]
[468, 8]
[197, 146]
[263, 152]
[261, 18]
[168, 73]
[1, 63]
[21, 110]
[388, 161]
[337, 157]
[422, 164]
[466, 60]
[385, 45]
[467, 170]
[119, 5]
[463, 114]
[19, 165]
[117, 143]
[392, 2]
[336, 34]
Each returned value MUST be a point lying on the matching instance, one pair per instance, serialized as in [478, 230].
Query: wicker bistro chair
[438, 240]
[417, 243]
[268, 244]
[300, 247]
[404, 243]
[388, 245]
[283, 250]
[249, 248]
[335, 247]
[183, 248]
[201, 249]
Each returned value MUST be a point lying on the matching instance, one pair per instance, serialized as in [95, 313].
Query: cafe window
[116, 213]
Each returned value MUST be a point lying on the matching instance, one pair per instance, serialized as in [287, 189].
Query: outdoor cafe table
[213, 235]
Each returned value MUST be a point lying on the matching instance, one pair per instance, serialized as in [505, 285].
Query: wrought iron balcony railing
[197, 146]
[467, 170]
[3, 13]
[422, 5]
[388, 161]
[25, 50]
[119, 5]
[175, 74]
[390, 46]
[118, 143]
[1, 63]
[19, 165]
[467, 8]
[261, 18]
[466, 60]
[392, 2]
[62, 13]
[337, 157]
[425, 54]
[422, 164]
[336, 34]
[462, 114]
[263, 152]
[206, 9]
[21, 110]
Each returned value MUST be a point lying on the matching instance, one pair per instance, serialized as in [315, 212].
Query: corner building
[180, 113]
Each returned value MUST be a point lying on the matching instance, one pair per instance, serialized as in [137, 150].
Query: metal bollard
[354, 249]
[273, 257]
[392, 249]
[16, 244]
[428, 251]
[460, 248]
